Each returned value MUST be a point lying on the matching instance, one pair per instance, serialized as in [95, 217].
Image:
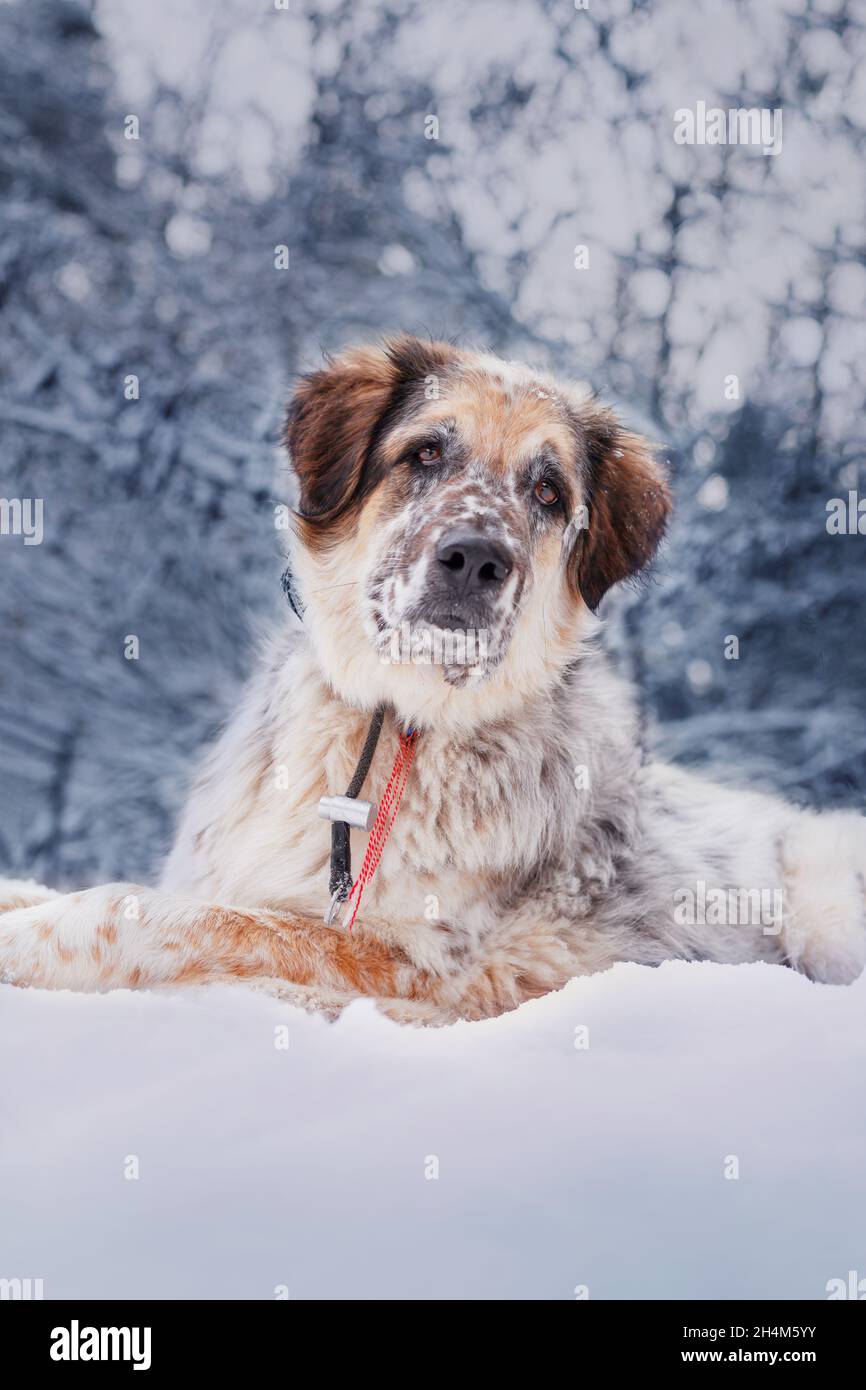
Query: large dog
[446, 494]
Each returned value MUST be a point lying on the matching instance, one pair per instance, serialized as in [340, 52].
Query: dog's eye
[546, 493]
[428, 453]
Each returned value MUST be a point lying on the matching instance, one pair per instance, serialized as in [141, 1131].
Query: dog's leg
[326, 1003]
[824, 862]
[124, 936]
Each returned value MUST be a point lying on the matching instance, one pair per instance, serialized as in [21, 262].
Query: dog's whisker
[328, 587]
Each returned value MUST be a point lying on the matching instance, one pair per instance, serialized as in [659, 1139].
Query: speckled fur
[533, 843]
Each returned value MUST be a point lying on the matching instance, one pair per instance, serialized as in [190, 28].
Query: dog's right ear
[330, 426]
[337, 412]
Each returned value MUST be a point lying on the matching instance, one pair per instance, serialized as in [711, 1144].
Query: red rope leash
[385, 817]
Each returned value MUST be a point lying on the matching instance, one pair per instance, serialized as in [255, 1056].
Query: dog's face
[460, 515]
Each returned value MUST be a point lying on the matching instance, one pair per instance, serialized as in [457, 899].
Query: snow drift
[309, 1169]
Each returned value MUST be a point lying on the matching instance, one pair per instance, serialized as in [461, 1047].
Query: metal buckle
[334, 910]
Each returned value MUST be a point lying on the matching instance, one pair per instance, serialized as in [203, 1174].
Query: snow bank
[558, 1165]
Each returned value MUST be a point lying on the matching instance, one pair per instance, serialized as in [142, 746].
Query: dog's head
[459, 519]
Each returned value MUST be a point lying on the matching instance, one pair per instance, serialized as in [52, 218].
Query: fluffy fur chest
[510, 803]
[490, 802]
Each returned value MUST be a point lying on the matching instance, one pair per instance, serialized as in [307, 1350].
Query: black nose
[471, 563]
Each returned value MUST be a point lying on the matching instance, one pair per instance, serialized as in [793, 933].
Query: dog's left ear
[628, 501]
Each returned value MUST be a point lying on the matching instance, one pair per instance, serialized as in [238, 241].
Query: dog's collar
[344, 811]
[348, 810]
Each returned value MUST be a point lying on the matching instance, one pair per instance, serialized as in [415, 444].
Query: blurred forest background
[309, 126]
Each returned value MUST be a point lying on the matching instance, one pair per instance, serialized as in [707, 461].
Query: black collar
[340, 877]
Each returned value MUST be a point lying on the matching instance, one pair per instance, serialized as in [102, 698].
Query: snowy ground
[558, 1166]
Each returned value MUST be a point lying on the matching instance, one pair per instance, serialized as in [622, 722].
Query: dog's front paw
[69, 941]
[824, 859]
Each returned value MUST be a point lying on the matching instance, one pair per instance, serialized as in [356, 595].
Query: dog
[444, 491]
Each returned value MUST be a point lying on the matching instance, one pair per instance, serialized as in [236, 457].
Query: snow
[559, 1166]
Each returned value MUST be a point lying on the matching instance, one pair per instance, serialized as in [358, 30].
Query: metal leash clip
[359, 814]
[334, 910]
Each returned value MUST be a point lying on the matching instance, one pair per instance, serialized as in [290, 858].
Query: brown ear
[629, 503]
[338, 412]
